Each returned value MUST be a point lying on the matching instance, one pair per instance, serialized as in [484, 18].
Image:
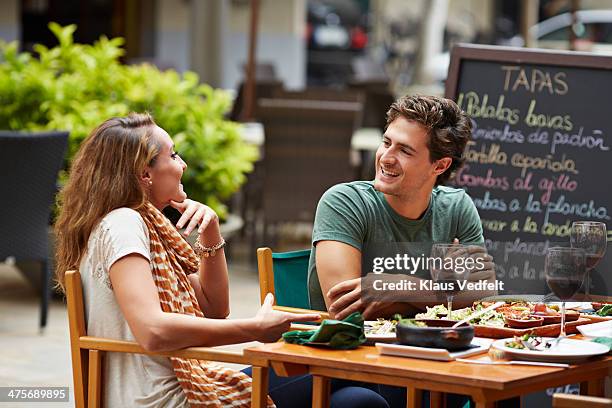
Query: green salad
[491, 318]
[606, 310]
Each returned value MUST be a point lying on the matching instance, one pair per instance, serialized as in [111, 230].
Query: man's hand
[487, 271]
[346, 299]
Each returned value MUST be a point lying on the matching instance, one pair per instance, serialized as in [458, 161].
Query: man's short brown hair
[449, 128]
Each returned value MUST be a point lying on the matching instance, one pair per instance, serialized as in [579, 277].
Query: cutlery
[533, 363]
[478, 314]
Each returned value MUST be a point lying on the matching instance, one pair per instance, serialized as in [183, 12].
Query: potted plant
[75, 87]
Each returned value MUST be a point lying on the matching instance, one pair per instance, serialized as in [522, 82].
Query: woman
[143, 282]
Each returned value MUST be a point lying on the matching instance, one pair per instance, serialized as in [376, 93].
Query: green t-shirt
[358, 215]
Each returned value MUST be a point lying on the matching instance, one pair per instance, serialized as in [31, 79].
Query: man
[421, 148]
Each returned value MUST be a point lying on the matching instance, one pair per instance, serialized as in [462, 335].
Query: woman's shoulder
[123, 216]
[123, 221]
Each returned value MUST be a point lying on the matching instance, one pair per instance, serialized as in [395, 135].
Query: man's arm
[339, 272]
[336, 262]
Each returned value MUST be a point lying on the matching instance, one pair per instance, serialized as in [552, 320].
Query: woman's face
[164, 177]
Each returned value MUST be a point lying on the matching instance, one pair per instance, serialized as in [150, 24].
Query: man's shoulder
[352, 189]
[450, 193]
[451, 197]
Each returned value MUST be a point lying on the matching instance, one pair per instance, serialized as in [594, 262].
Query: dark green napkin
[605, 341]
[337, 334]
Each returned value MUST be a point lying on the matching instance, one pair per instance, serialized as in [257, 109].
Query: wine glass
[447, 266]
[564, 269]
[592, 237]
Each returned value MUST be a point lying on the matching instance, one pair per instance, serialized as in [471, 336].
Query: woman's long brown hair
[105, 175]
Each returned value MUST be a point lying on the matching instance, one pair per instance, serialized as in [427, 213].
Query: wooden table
[484, 383]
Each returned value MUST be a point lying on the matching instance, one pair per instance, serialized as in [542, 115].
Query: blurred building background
[305, 42]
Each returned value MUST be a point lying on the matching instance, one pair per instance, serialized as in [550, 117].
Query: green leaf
[76, 87]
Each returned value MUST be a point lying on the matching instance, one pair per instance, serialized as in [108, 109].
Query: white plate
[573, 305]
[479, 345]
[567, 351]
[601, 329]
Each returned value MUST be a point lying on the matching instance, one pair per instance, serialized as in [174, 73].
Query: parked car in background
[593, 31]
[336, 32]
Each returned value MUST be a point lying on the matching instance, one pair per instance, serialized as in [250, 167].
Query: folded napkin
[337, 334]
[607, 341]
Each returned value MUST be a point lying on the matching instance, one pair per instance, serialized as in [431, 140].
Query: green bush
[75, 87]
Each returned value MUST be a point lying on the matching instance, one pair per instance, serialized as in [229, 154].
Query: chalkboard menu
[540, 156]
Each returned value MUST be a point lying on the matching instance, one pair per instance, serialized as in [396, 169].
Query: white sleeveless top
[130, 380]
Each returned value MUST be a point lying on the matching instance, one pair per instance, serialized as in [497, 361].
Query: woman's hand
[195, 214]
[271, 324]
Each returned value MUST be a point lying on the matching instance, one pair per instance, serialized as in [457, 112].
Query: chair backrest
[263, 89]
[307, 150]
[315, 93]
[377, 100]
[29, 164]
[285, 275]
[77, 328]
[582, 401]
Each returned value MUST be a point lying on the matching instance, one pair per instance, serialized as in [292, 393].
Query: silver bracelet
[205, 252]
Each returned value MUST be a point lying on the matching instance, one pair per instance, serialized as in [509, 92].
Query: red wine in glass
[592, 237]
[564, 288]
[592, 260]
[565, 269]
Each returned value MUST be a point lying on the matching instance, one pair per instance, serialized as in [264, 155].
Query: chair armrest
[197, 353]
[324, 315]
[572, 401]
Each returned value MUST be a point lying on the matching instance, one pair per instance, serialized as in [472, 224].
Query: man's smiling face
[403, 165]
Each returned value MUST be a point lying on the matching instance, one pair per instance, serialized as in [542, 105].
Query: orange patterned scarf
[172, 259]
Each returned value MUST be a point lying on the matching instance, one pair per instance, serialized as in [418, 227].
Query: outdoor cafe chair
[88, 353]
[285, 275]
[29, 165]
[307, 150]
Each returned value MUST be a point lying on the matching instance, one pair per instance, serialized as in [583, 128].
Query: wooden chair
[269, 265]
[582, 401]
[294, 290]
[88, 353]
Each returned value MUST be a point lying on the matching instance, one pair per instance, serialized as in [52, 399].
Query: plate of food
[515, 318]
[535, 348]
[599, 311]
[551, 315]
[380, 331]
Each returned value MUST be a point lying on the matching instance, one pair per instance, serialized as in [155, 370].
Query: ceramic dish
[435, 333]
[567, 351]
[533, 321]
[601, 329]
